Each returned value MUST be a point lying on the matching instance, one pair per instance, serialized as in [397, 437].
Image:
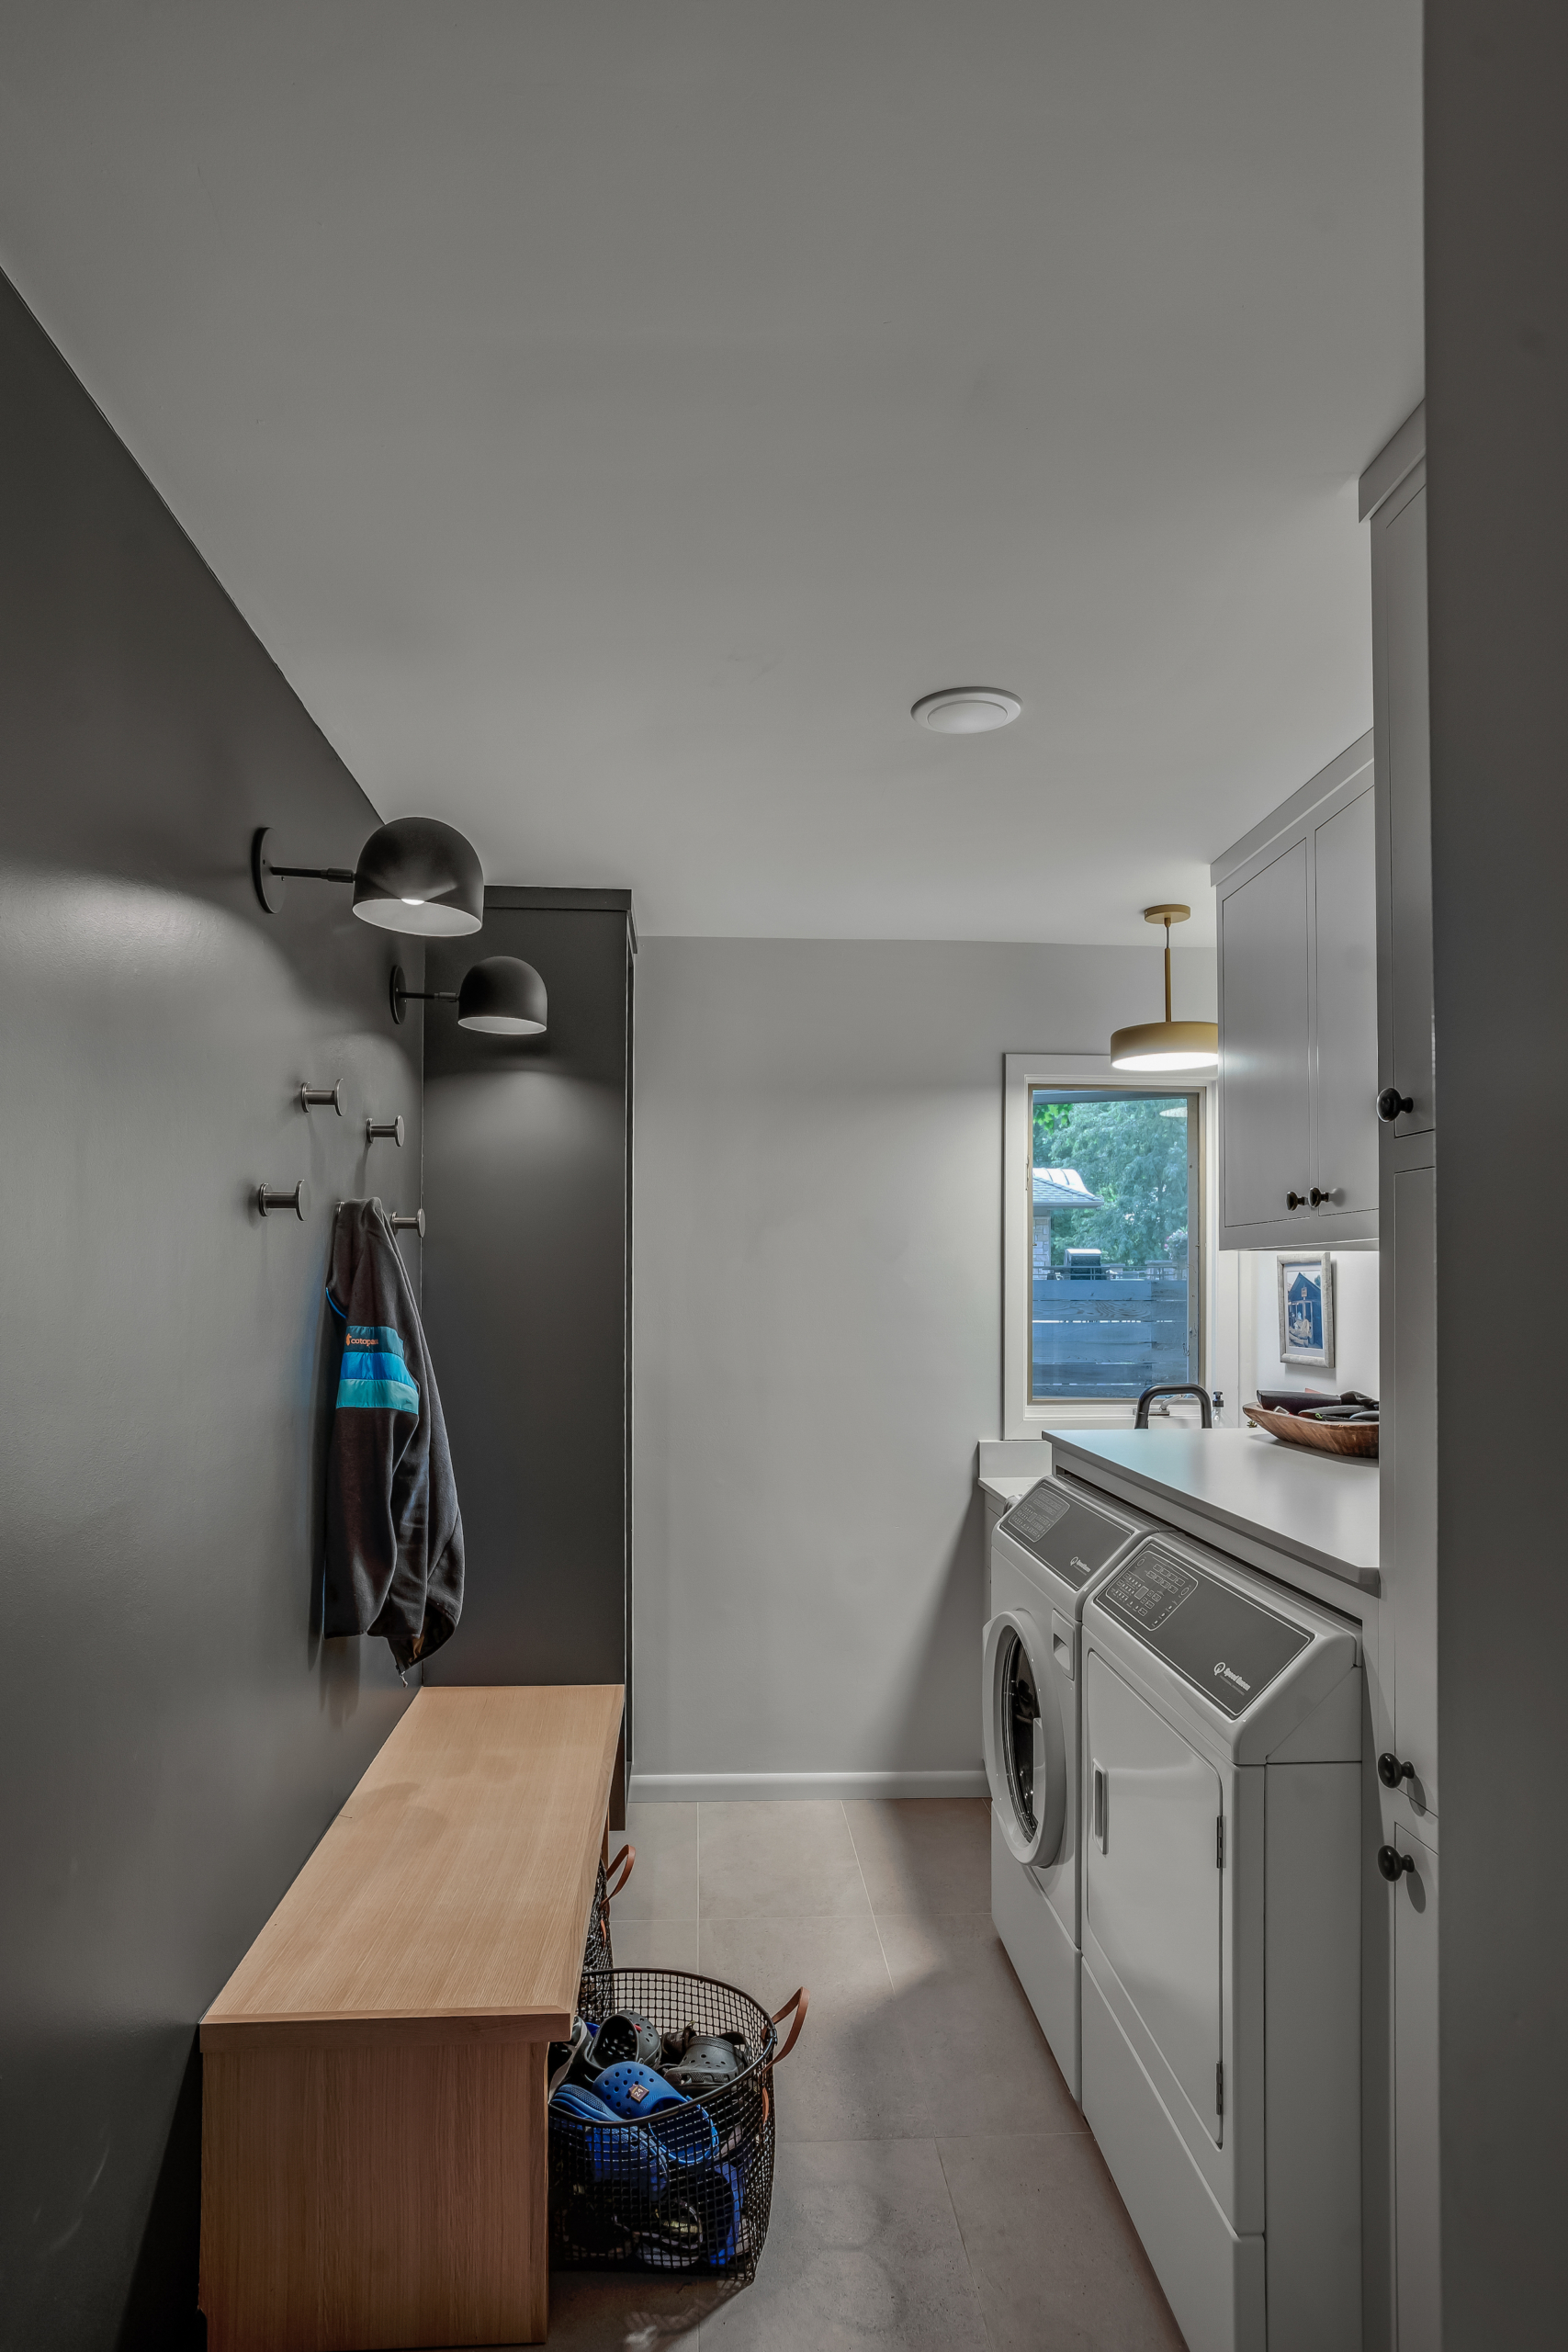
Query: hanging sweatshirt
[394, 1532]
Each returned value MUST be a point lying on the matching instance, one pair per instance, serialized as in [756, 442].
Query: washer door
[1026, 1762]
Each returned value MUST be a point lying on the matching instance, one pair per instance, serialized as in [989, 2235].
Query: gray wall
[174, 1735]
[526, 1295]
[1497, 471]
[818, 1333]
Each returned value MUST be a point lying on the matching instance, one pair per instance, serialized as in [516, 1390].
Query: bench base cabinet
[374, 2133]
[1298, 1019]
[354, 2197]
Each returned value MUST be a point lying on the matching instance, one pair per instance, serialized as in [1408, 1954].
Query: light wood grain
[353, 2198]
[1321, 1437]
[373, 2134]
[449, 1899]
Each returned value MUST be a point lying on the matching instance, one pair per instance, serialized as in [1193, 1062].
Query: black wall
[174, 1734]
[526, 1292]
[1498, 476]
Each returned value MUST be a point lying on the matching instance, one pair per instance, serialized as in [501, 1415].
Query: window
[1112, 1310]
[1104, 1257]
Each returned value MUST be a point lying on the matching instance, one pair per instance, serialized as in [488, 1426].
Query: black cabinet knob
[1318, 1196]
[1295, 1200]
[1390, 1771]
[1390, 1103]
[1393, 1864]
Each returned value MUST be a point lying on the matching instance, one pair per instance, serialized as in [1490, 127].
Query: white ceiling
[613, 413]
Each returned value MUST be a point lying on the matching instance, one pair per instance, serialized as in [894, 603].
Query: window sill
[1070, 1415]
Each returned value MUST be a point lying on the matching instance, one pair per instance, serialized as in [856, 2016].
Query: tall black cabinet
[527, 1293]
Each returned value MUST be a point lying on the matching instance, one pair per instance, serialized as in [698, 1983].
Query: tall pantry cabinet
[1394, 499]
[1328, 1136]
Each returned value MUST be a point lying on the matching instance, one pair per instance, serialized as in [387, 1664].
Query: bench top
[449, 1900]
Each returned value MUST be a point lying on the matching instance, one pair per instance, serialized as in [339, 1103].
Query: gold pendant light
[1167, 1044]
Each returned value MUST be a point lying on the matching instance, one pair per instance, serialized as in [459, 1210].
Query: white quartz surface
[1320, 1508]
[1008, 1466]
[1007, 1490]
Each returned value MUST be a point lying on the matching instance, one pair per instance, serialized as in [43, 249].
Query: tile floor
[937, 2191]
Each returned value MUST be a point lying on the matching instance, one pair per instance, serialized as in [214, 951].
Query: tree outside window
[1111, 1309]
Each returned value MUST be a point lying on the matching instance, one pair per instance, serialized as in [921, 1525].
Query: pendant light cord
[1167, 969]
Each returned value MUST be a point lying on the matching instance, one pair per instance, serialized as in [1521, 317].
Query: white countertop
[1319, 1508]
[1006, 1467]
[1007, 1490]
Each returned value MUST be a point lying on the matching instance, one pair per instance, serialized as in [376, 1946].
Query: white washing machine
[1047, 1552]
[1222, 1946]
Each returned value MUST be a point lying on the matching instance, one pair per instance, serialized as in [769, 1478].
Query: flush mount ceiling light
[1167, 1044]
[503, 997]
[415, 875]
[966, 710]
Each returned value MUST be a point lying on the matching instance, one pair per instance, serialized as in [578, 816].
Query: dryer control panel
[1226, 1645]
[1072, 1537]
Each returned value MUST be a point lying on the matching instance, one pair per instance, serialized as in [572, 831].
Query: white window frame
[1022, 1416]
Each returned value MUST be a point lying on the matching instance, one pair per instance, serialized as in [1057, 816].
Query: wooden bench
[373, 2157]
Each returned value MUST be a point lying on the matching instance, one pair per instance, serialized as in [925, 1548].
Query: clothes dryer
[1047, 1552]
[1222, 1942]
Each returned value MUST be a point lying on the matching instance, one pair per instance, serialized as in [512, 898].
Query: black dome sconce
[415, 875]
[503, 997]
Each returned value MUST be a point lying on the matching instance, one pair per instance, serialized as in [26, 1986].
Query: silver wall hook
[319, 1097]
[393, 1127]
[414, 1224]
[271, 1201]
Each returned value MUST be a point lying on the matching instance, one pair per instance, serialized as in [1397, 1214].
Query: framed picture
[1306, 1306]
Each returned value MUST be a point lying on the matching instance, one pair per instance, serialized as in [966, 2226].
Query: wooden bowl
[1321, 1437]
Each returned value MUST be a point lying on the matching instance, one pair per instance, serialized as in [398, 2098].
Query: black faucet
[1180, 1388]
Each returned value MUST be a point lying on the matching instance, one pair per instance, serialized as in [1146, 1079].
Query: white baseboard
[771, 1787]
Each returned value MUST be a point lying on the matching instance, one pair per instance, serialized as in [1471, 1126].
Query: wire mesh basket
[689, 2188]
[597, 1956]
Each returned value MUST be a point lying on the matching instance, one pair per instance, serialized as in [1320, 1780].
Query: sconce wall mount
[501, 997]
[415, 875]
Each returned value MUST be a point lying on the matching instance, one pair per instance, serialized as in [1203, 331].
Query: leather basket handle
[613, 1885]
[800, 2001]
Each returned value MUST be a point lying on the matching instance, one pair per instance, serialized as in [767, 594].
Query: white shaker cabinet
[1417, 2259]
[1266, 1012]
[1402, 732]
[1394, 499]
[1298, 1018]
[1345, 1138]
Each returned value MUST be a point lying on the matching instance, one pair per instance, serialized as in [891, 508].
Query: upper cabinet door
[1265, 1042]
[1399, 573]
[1299, 1017]
[1345, 1125]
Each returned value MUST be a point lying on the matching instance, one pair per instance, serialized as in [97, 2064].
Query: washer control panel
[1222, 1641]
[1067, 1535]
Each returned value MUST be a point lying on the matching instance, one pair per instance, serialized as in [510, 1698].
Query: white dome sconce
[415, 875]
[1167, 1044]
[503, 997]
[966, 710]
